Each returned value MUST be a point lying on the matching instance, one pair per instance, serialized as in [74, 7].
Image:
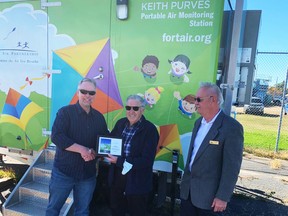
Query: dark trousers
[135, 205]
[188, 209]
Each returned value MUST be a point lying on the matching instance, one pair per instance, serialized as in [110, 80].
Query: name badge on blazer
[214, 142]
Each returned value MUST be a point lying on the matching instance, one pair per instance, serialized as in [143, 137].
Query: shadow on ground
[243, 202]
[240, 205]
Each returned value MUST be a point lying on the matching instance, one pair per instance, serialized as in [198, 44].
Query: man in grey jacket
[214, 157]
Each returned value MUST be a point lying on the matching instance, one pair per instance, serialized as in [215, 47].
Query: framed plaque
[109, 145]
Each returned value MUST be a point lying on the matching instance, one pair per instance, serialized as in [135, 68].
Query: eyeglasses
[135, 108]
[84, 92]
[200, 99]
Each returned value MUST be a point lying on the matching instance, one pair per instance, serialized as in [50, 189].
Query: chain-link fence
[265, 118]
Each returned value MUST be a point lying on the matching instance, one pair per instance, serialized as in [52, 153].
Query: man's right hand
[88, 154]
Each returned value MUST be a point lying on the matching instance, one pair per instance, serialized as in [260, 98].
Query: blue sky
[273, 35]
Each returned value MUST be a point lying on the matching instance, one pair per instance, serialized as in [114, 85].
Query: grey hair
[87, 80]
[137, 98]
[214, 89]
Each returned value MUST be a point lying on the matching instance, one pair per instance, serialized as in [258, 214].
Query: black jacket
[143, 151]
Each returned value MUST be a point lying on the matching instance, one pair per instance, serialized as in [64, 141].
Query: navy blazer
[216, 165]
[143, 150]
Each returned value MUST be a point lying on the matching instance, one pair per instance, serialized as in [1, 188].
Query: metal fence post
[175, 160]
[281, 115]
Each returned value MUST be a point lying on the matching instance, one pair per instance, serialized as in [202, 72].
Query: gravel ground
[260, 190]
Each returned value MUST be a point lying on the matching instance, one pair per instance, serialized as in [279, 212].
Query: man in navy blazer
[130, 187]
[214, 157]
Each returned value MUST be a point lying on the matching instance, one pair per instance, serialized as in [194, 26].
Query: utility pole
[232, 65]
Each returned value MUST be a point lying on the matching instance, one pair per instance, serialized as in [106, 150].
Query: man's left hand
[112, 159]
[219, 205]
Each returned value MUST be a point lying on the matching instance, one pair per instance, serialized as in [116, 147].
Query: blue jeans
[59, 189]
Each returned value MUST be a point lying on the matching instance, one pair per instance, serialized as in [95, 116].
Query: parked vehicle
[256, 106]
[277, 100]
[285, 108]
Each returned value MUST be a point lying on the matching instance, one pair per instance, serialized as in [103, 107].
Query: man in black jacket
[74, 133]
[130, 187]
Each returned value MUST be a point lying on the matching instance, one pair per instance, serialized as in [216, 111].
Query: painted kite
[18, 110]
[169, 141]
[90, 60]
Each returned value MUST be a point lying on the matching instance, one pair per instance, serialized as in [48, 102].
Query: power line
[280, 53]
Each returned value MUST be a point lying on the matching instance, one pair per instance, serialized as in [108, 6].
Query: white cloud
[25, 50]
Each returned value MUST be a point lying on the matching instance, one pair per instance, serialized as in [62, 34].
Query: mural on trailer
[161, 52]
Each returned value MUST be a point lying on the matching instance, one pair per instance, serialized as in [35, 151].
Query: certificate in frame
[109, 145]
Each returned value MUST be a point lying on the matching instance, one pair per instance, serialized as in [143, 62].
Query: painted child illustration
[180, 66]
[149, 67]
[152, 95]
[187, 104]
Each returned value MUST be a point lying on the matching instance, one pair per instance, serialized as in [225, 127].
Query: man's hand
[111, 158]
[88, 154]
[219, 205]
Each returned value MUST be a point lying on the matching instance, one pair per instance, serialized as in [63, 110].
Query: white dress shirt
[201, 134]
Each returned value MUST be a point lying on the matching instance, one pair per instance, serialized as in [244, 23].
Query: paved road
[258, 176]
